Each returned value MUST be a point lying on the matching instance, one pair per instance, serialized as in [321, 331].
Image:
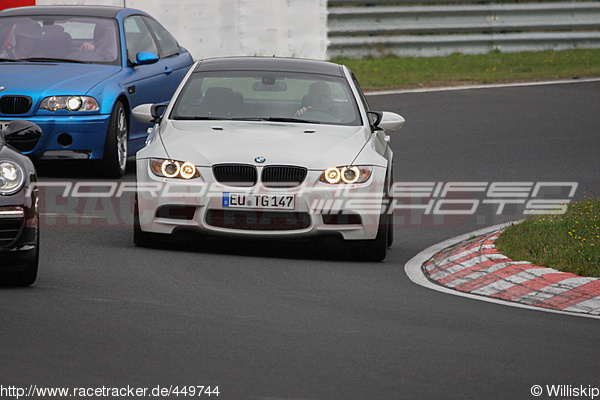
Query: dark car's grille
[283, 176]
[235, 174]
[15, 104]
[258, 220]
[9, 230]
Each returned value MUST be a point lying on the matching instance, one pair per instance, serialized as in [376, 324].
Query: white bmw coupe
[267, 148]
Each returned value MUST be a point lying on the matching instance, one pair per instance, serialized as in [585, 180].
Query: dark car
[19, 218]
[77, 71]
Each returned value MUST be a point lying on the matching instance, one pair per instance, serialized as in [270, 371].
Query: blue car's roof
[83, 11]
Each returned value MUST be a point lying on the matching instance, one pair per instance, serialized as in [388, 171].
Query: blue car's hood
[42, 79]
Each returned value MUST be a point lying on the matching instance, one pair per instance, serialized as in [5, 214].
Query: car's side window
[167, 43]
[138, 37]
[363, 99]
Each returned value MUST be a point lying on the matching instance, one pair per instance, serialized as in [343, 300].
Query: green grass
[569, 242]
[397, 73]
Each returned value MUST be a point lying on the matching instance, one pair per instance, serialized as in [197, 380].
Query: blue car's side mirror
[145, 58]
[22, 135]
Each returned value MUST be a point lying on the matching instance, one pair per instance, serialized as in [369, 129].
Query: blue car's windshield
[59, 38]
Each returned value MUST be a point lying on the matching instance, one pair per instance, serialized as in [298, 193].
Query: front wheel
[28, 276]
[140, 238]
[375, 249]
[115, 150]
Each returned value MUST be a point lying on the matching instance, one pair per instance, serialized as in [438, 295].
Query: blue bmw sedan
[78, 71]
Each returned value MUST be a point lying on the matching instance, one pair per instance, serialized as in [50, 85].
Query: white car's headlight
[347, 174]
[70, 103]
[12, 177]
[174, 169]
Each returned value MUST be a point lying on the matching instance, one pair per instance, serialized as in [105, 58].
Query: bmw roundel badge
[259, 159]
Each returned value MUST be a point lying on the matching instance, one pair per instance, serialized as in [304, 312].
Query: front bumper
[66, 136]
[169, 205]
[19, 230]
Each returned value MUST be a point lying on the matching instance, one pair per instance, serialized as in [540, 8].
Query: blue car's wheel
[115, 150]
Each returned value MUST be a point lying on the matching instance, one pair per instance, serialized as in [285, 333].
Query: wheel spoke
[122, 139]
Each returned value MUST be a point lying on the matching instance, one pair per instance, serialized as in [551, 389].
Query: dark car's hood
[49, 79]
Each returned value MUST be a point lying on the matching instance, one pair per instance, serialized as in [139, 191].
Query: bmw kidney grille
[247, 175]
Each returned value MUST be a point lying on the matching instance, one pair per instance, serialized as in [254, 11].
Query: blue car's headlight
[174, 169]
[70, 103]
[347, 174]
[12, 178]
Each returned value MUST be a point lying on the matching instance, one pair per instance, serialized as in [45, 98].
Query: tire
[114, 162]
[375, 249]
[390, 234]
[140, 238]
[390, 219]
[28, 276]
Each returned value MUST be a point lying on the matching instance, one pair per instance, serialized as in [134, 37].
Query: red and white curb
[472, 266]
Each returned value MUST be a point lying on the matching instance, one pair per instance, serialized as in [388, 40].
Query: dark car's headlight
[70, 103]
[12, 178]
[174, 169]
[348, 174]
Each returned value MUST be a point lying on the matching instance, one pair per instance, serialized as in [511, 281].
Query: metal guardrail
[432, 30]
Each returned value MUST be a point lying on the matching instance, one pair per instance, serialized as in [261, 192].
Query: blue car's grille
[15, 104]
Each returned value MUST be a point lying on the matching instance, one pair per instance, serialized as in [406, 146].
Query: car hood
[42, 79]
[216, 142]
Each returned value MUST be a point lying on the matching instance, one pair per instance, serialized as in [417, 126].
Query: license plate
[261, 201]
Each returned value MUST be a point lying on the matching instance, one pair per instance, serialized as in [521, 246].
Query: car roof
[270, 64]
[78, 11]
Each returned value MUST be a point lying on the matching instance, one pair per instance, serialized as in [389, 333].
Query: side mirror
[385, 120]
[22, 135]
[149, 113]
[145, 58]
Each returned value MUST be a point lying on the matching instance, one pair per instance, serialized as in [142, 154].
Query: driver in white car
[318, 99]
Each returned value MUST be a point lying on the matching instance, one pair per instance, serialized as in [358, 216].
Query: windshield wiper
[278, 119]
[8, 60]
[50, 59]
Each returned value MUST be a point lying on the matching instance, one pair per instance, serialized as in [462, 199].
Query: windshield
[271, 96]
[59, 38]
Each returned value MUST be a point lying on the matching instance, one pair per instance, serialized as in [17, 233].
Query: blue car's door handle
[168, 70]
